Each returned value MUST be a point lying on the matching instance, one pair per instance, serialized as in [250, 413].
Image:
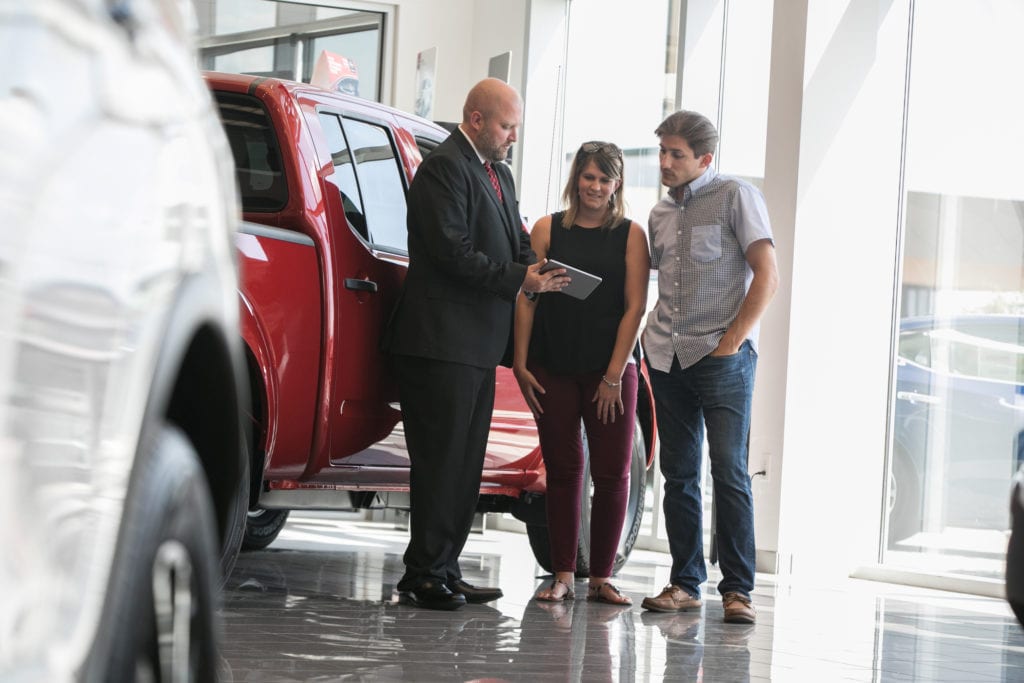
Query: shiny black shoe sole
[447, 603]
[480, 596]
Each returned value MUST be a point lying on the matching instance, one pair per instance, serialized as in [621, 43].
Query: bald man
[468, 259]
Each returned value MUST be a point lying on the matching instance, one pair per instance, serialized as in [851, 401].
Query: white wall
[442, 24]
[466, 33]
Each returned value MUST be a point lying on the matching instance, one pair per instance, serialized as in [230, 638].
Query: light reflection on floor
[953, 550]
[318, 605]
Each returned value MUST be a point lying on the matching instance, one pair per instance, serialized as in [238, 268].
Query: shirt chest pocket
[706, 243]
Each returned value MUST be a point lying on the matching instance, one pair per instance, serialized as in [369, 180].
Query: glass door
[958, 394]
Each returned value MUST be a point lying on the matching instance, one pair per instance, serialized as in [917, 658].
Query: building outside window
[336, 48]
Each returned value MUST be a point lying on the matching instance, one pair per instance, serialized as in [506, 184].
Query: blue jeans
[715, 392]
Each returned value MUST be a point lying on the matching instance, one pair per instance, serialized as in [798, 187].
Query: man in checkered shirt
[712, 245]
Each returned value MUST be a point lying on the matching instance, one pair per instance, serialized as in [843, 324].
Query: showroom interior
[886, 140]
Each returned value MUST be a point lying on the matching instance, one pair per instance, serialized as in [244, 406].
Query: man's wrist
[729, 346]
[531, 296]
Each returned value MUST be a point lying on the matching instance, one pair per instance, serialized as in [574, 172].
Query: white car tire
[162, 618]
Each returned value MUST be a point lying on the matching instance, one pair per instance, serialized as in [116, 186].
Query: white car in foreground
[123, 479]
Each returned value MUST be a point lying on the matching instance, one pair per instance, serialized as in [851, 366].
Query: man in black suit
[469, 257]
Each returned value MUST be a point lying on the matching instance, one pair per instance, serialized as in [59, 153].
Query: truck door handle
[358, 285]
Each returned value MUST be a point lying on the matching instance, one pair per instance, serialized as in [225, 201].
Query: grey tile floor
[318, 605]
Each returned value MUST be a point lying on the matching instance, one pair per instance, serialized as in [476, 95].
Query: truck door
[365, 195]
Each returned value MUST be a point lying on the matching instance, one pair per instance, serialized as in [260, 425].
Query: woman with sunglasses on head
[574, 361]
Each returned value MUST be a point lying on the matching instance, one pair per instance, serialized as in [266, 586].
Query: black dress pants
[446, 411]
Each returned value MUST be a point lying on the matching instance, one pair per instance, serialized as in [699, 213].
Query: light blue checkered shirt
[698, 246]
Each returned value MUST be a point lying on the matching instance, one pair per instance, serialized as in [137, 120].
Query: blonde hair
[608, 158]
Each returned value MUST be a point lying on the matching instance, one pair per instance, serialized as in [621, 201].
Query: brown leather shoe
[672, 599]
[738, 609]
[474, 593]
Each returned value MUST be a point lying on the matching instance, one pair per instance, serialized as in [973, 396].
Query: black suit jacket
[468, 254]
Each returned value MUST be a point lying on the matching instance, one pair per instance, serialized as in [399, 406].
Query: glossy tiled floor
[318, 606]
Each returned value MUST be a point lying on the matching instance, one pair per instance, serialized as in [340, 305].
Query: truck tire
[160, 622]
[262, 527]
[538, 533]
[235, 522]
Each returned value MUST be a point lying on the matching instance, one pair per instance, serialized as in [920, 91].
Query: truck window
[380, 182]
[344, 174]
[261, 182]
[426, 145]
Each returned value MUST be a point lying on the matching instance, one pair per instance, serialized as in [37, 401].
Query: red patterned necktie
[494, 179]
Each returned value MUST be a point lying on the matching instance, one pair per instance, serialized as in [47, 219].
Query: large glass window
[618, 95]
[339, 49]
[743, 117]
[357, 73]
[623, 99]
[728, 84]
[958, 399]
[726, 46]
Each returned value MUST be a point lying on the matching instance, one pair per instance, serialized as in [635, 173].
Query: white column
[832, 182]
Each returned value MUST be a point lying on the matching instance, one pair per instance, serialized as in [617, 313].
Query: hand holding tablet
[583, 283]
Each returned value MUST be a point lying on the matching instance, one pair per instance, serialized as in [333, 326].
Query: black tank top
[573, 336]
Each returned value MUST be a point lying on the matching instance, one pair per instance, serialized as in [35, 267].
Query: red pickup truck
[323, 178]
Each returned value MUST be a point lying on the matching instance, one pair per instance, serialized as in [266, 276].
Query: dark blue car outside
[959, 406]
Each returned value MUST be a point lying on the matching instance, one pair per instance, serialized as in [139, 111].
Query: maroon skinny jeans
[568, 399]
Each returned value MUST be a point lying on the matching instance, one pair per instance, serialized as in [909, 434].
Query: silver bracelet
[611, 384]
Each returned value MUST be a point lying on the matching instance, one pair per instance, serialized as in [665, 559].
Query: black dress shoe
[472, 593]
[432, 595]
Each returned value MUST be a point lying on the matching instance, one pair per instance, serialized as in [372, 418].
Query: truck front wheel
[262, 527]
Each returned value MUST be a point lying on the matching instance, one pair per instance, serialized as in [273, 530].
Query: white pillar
[832, 182]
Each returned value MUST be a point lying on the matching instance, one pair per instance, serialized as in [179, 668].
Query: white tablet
[583, 283]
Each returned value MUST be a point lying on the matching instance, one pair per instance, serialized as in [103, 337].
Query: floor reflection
[319, 605]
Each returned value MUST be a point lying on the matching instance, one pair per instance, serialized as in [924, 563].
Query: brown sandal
[612, 596]
[569, 593]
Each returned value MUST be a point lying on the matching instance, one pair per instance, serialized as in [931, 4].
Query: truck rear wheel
[538, 533]
[235, 523]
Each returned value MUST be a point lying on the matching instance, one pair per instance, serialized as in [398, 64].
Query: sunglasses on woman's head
[605, 147]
